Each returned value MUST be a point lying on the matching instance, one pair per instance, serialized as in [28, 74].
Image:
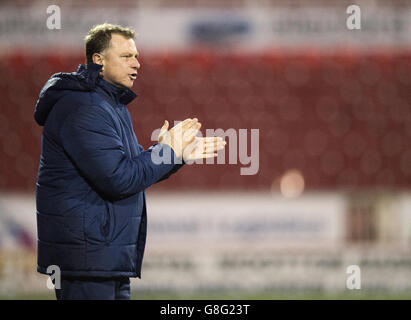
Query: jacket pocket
[107, 223]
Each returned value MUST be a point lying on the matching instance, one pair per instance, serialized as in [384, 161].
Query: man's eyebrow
[130, 53]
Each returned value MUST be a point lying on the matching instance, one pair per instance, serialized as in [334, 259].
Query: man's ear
[98, 59]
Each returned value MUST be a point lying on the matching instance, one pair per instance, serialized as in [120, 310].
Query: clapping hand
[182, 139]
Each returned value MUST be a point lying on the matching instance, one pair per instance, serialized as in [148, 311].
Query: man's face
[120, 62]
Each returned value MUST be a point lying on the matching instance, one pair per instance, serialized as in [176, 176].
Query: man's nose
[136, 65]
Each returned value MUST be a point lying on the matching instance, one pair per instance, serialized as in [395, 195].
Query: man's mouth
[133, 76]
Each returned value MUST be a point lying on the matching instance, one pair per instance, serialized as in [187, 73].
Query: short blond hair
[99, 36]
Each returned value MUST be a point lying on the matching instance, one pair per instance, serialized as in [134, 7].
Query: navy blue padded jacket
[90, 199]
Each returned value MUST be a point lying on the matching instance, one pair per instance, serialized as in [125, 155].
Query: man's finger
[208, 155]
[214, 144]
[190, 124]
[180, 125]
[186, 121]
[201, 156]
[213, 149]
[211, 139]
[195, 126]
[164, 127]
[163, 131]
[190, 134]
[218, 145]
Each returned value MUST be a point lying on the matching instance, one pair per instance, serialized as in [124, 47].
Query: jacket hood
[86, 78]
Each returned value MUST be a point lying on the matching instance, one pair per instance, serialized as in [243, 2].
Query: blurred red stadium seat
[343, 121]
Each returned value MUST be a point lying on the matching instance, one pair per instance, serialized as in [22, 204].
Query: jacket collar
[91, 72]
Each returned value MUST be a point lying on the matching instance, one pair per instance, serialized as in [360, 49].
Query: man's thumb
[163, 129]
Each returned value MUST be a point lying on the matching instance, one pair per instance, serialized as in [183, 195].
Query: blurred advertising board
[238, 242]
[246, 28]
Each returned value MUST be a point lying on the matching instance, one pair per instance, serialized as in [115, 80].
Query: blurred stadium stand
[343, 121]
